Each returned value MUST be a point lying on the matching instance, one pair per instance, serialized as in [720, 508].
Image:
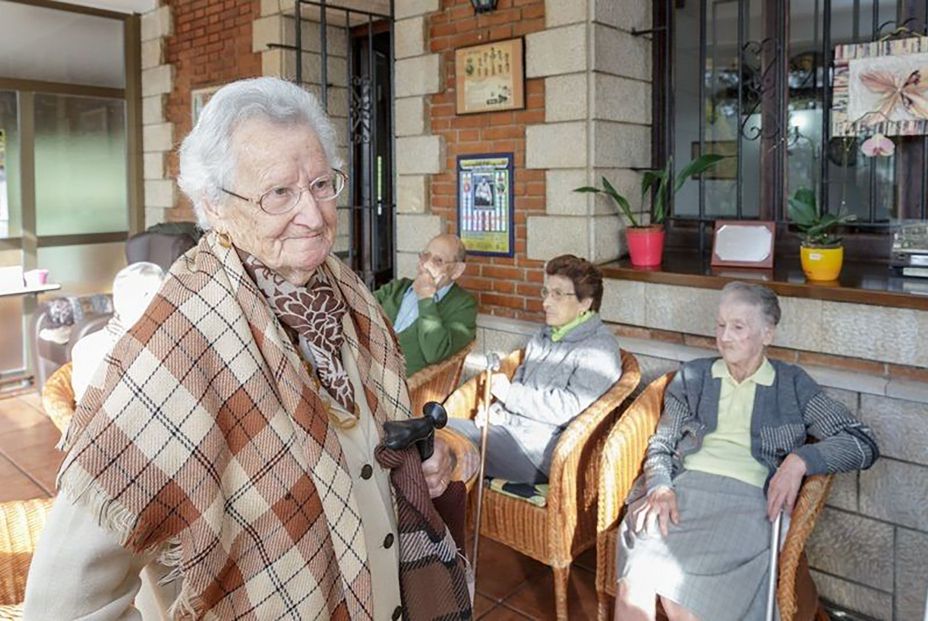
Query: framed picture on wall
[490, 77]
[485, 199]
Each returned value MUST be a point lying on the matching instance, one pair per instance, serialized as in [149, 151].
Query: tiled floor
[28, 459]
[509, 586]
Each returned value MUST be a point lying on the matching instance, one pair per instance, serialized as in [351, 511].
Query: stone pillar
[157, 131]
[597, 122]
[417, 74]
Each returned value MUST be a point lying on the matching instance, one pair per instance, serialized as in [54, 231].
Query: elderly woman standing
[568, 364]
[232, 440]
[729, 454]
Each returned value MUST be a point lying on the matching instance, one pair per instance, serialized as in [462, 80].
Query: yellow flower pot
[821, 263]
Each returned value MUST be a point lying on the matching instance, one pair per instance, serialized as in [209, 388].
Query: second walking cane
[492, 367]
[771, 614]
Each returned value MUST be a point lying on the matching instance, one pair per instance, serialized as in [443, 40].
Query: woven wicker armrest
[21, 522]
[58, 397]
[809, 505]
[624, 451]
[574, 475]
[436, 381]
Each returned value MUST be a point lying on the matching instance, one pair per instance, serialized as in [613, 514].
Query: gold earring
[224, 239]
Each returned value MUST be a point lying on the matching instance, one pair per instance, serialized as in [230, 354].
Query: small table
[464, 456]
[20, 379]
[30, 290]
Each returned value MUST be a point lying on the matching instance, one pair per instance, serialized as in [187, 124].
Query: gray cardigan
[785, 413]
[557, 381]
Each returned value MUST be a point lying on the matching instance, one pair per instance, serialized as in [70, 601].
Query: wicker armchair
[560, 531]
[58, 397]
[622, 459]
[436, 381]
[21, 521]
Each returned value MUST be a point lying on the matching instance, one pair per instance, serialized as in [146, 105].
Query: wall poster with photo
[485, 201]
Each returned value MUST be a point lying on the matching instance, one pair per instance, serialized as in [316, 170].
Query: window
[752, 79]
[69, 156]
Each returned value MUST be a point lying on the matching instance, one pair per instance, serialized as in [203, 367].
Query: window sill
[859, 283]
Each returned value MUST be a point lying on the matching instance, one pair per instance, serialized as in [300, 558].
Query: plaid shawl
[433, 576]
[206, 444]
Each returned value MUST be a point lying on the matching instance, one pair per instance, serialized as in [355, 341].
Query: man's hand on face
[424, 285]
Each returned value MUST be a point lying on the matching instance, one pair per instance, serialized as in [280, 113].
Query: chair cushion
[534, 494]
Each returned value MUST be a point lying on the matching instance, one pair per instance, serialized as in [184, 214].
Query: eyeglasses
[280, 200]
[556, 294]
[427, 257]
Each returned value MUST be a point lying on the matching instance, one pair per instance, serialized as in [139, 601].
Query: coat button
[366, 471]
[397, 613]
[388, 540]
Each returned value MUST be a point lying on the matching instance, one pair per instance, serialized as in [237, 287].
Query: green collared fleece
[442, 329]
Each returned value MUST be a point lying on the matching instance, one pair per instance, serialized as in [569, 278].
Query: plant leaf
[806, 196]
[801, 214]
[697, 167]
[621, 201]
[588, 188]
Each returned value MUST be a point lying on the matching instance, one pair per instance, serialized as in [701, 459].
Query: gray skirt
[715, 561]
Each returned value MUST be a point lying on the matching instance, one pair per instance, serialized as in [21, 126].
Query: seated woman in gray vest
[729, 455]
[568, 364]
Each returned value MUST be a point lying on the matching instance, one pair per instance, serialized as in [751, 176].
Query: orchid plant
[878, 145]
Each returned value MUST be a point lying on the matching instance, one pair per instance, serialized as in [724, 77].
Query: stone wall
[869, 551]
[186, 45]
[430, 137]
[157, 131]
[587, 114]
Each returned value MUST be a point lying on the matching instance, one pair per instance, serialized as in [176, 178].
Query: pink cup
[36, 278]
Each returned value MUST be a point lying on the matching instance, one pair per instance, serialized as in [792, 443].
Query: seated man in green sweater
[433, 317]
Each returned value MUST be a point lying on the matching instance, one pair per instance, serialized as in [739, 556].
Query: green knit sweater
[441, 330]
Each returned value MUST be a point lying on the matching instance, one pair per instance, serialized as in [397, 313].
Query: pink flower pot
[645, 245]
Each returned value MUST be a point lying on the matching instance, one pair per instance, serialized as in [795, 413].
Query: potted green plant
[820, 250]
[646, 241]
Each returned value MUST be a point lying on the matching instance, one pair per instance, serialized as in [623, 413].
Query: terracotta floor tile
[15, 485]
[587, 560]
[502, 570]
[536, 599]
[20, 413]
[44, 474]
[33, 451]
[501, 613]
[483, 605]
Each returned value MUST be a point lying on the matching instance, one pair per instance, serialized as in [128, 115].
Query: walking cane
[774, 560]
[492, 366]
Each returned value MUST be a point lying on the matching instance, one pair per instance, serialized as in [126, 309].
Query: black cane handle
[400, 434]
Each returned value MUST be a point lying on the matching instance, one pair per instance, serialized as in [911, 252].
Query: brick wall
[504, 286]
[211, 45]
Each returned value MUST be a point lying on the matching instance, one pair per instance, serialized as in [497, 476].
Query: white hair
[133, 288]
[206, 160]
[760, 296]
